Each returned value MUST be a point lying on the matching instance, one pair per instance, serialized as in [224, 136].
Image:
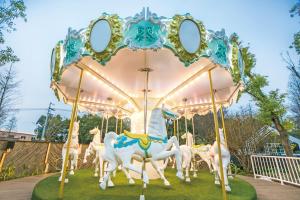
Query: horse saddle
[143, 139]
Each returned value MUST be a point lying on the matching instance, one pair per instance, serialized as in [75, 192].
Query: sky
[263, 24]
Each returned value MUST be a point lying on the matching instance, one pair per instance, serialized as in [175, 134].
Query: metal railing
[279, 168]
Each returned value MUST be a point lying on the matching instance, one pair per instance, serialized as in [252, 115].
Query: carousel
[153, 70]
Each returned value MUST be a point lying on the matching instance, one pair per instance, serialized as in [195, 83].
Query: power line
[35, 109]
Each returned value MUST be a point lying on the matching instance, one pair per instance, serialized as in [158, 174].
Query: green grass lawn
[83, 186]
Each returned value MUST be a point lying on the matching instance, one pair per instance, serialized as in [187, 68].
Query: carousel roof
[115, 52]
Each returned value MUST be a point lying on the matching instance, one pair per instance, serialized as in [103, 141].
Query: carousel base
[84, 186]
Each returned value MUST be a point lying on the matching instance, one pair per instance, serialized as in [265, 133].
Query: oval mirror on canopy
[241, 63]
[189, 36]
[100, 35]
[53, 59]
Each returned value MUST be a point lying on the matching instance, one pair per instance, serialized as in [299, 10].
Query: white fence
[282, 169]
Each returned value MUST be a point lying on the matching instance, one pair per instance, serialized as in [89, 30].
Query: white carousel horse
[186, 156]
[189, 139]
[204, 152]
[74, 151]
[96, 147]
[153, 146]
[225, 160]
[93, 149]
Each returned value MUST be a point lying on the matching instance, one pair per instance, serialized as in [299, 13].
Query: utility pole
[46, 121]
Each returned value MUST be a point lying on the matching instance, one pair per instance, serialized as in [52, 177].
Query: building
[16, 136]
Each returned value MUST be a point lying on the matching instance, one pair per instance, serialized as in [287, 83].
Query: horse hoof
[71, 173]
[188, 180]
[59, 179]
[230, 177]
[227, 188]
[95, 175]
[102, 185]
[131, 181]
[66, 180]
[217, 182]
[84, 161]
[180, 175]
[110, 184]
[194, 175]
[145, 185]
[145, 177]
[142, 197]
[167, 183]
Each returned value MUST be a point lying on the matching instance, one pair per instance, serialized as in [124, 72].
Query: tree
[8, 93]
[294, 81]
[241, 127]
[11, 124]
[57, 128]
[9, 11]
[294, 97]
[294, 12]
[270, 104]
[87, 123]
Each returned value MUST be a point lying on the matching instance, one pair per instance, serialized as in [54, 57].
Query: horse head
[187, 135]
[75, 131]
[157, 122]
[221, 133]
[94, 131]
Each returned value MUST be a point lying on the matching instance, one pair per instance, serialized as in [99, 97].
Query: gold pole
[116, 125]
[194, 143]
[121, 125]
[217, 135]
[177, 126]
[102, 123]
[174, 129]
[106, 128]
[225, 136]
[3, 158]
[73, 115]
[46, 158]
[193, 126]
[185, 121]
[223, 125]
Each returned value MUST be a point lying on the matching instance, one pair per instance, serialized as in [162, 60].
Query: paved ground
[267, 190]
[19, 189]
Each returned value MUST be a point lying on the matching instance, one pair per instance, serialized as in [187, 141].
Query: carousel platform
[83, 186]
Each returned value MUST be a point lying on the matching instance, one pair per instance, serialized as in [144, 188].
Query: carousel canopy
[116, 52]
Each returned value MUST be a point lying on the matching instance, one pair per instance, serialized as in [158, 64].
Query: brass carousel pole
[223, 125]
[106, 128]
[177, 126]
[73, 116]
[217, 134]
[225, 136]
[193, 127]
[194, 143]
[174, 128]
[102, 124]
[146, 90]
[121, 125]
[185, 120]
[116, 125]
